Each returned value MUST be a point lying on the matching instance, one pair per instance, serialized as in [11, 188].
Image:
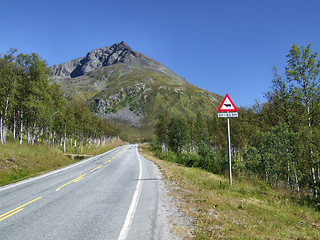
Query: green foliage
[272, 155]
[277, 142]
[210, 160]
[31, 109]
[161, 129]
[178, 133]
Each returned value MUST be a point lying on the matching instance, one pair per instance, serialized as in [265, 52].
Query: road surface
[111, 196]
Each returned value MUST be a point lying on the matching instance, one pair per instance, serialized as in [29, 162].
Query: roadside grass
[247, 210]
[94, 150]
[18, 162]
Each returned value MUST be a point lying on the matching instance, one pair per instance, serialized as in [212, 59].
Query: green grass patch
[247, 210]
[18, 162]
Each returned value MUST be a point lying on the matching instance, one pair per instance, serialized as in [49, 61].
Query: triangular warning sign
[227, 105]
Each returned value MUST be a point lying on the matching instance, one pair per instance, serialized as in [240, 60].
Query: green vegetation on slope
[249, 209]
[144, 91]
[277, 142]
[148, 93]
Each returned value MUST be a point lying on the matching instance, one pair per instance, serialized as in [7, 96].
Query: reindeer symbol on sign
[227, 105]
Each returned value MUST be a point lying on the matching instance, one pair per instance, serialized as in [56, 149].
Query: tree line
[32, 110]
[277, 141]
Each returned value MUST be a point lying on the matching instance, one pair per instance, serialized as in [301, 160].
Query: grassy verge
[247, 210]
[101, 149]
[18, 162]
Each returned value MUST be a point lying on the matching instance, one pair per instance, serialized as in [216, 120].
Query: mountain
[103, 57]
[131, 89]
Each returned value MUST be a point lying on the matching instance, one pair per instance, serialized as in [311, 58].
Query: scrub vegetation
[276, 142]
[250, 209]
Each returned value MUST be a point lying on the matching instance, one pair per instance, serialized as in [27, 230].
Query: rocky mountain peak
[106, 56]
[97, 58]
[122, 46]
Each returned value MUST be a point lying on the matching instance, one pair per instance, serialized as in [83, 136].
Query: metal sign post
[224, 110]
[229, 151]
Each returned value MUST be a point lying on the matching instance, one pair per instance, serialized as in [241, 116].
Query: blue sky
[223, 46]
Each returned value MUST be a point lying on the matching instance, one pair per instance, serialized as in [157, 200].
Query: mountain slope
[102, 57]
[128, 87]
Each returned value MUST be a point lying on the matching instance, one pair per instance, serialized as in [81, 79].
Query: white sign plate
[228, 114]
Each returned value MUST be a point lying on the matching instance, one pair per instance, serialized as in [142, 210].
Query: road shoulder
[171, 222]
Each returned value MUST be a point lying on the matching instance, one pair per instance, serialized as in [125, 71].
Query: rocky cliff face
[107, 56]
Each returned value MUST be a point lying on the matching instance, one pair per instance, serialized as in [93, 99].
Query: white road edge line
[127, 224]
[53, 172]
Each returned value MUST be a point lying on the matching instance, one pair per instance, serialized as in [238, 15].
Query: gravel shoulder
[171, 222]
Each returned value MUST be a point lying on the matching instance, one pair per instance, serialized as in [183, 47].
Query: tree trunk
[311, 151]
[3, 122]
[314, 182]
[75, 140]
[296, 177]
[48, 140]
[14, 126]
[53, 138]
[33, 134]
[288, 180]
[1, 128]
[81, 146]
[29, 136]
[21, 127]
[65, 137]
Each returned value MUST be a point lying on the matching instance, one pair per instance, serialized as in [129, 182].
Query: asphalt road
[111, 196]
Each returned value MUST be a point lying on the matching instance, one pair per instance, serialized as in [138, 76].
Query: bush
[188, 159]
[210, 160]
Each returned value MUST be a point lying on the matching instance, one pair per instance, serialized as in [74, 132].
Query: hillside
[131, 89]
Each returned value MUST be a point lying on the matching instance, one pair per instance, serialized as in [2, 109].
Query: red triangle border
[227, 110]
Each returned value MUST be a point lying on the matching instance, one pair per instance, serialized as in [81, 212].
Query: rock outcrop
[106, 56]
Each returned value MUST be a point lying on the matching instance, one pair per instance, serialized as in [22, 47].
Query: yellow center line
[96, 168]
[74, 180]
[19, 210]
[107, 161]
[78, 179]
[16, 210]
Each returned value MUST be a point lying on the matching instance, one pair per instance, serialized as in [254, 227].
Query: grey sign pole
[227, 110]
[229, 148]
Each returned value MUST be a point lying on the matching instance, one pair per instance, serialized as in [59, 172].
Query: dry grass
[18, 162]
[247, 210]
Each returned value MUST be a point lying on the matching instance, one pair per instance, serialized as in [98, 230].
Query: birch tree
[302, 72]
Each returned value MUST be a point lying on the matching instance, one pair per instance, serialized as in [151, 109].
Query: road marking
[78, 179]
[74, 180]
[16, 210]
[96, 168]
[127, 224]
[19, 210]
[107, 161]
